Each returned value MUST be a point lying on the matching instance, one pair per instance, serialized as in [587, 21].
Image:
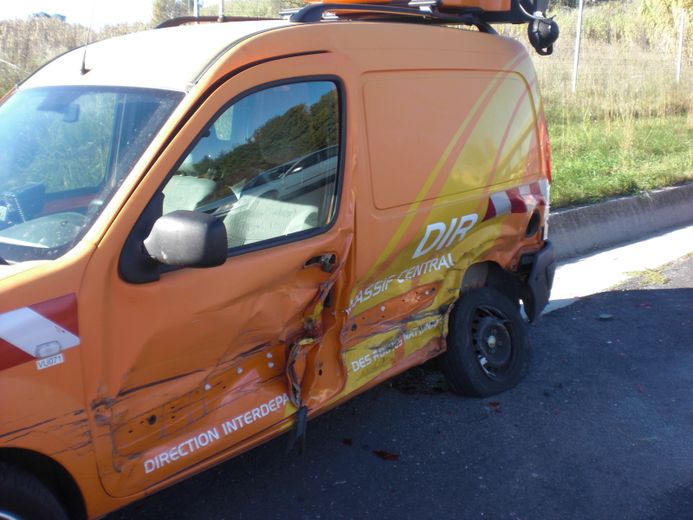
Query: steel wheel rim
[492, 340]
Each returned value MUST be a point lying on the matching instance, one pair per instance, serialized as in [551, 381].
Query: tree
[166, 9]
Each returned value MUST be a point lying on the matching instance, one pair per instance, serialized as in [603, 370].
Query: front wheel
[488, 348]
[24, 497]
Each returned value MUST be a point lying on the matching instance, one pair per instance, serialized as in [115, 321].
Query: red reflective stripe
[490, 211]
[517, 204]
[11, 356]
[62, 311]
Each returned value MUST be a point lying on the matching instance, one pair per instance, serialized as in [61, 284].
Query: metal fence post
[679, 57]
[578, 37]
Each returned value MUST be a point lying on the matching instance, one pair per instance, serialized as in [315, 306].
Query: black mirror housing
[187, 239]
[542, 34]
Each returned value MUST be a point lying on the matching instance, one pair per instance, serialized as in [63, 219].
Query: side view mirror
[542, 34]
[187, 239]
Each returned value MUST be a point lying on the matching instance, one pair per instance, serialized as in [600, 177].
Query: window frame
[341, 146]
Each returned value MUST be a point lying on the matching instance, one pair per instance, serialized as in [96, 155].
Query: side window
[266, 165]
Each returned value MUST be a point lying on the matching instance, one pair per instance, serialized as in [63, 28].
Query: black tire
[488, 348]
[24, 497]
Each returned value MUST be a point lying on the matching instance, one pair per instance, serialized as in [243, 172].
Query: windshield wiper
[21, 243]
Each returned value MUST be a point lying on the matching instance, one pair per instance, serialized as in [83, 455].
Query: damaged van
[213, 231]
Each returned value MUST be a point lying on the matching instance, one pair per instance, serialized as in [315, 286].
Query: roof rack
[315, 12]
[184, 20]
[542, 31]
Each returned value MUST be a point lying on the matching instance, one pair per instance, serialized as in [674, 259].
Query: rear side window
[266, 165]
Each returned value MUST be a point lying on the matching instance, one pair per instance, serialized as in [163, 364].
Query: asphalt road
[601, 428]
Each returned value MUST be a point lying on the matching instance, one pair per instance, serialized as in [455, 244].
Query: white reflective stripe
[28, 330]
[544, 188]
[525, 189]
[501, 202]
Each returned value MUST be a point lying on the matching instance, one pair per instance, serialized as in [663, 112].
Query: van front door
[196, 363]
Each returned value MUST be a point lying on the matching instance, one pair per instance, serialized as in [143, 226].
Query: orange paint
[141, 383]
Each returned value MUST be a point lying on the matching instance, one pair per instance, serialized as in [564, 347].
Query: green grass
[629, 126]
[650, 276]
[593, 160]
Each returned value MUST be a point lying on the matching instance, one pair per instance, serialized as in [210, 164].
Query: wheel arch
[490, 274]
[52, 474]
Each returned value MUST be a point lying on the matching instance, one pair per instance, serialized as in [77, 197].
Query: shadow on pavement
[602, 427]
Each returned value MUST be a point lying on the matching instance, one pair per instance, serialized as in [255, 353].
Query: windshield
[63, 153]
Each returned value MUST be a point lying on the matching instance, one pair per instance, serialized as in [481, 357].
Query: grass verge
[628, 127]
[593, 160]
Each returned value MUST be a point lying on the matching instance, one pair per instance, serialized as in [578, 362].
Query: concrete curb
[581, 230]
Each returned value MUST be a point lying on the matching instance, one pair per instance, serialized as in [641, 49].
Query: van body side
[427, 175]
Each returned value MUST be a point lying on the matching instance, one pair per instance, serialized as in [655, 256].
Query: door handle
[326, 261]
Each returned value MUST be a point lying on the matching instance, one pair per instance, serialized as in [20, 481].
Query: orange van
[213, 232]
